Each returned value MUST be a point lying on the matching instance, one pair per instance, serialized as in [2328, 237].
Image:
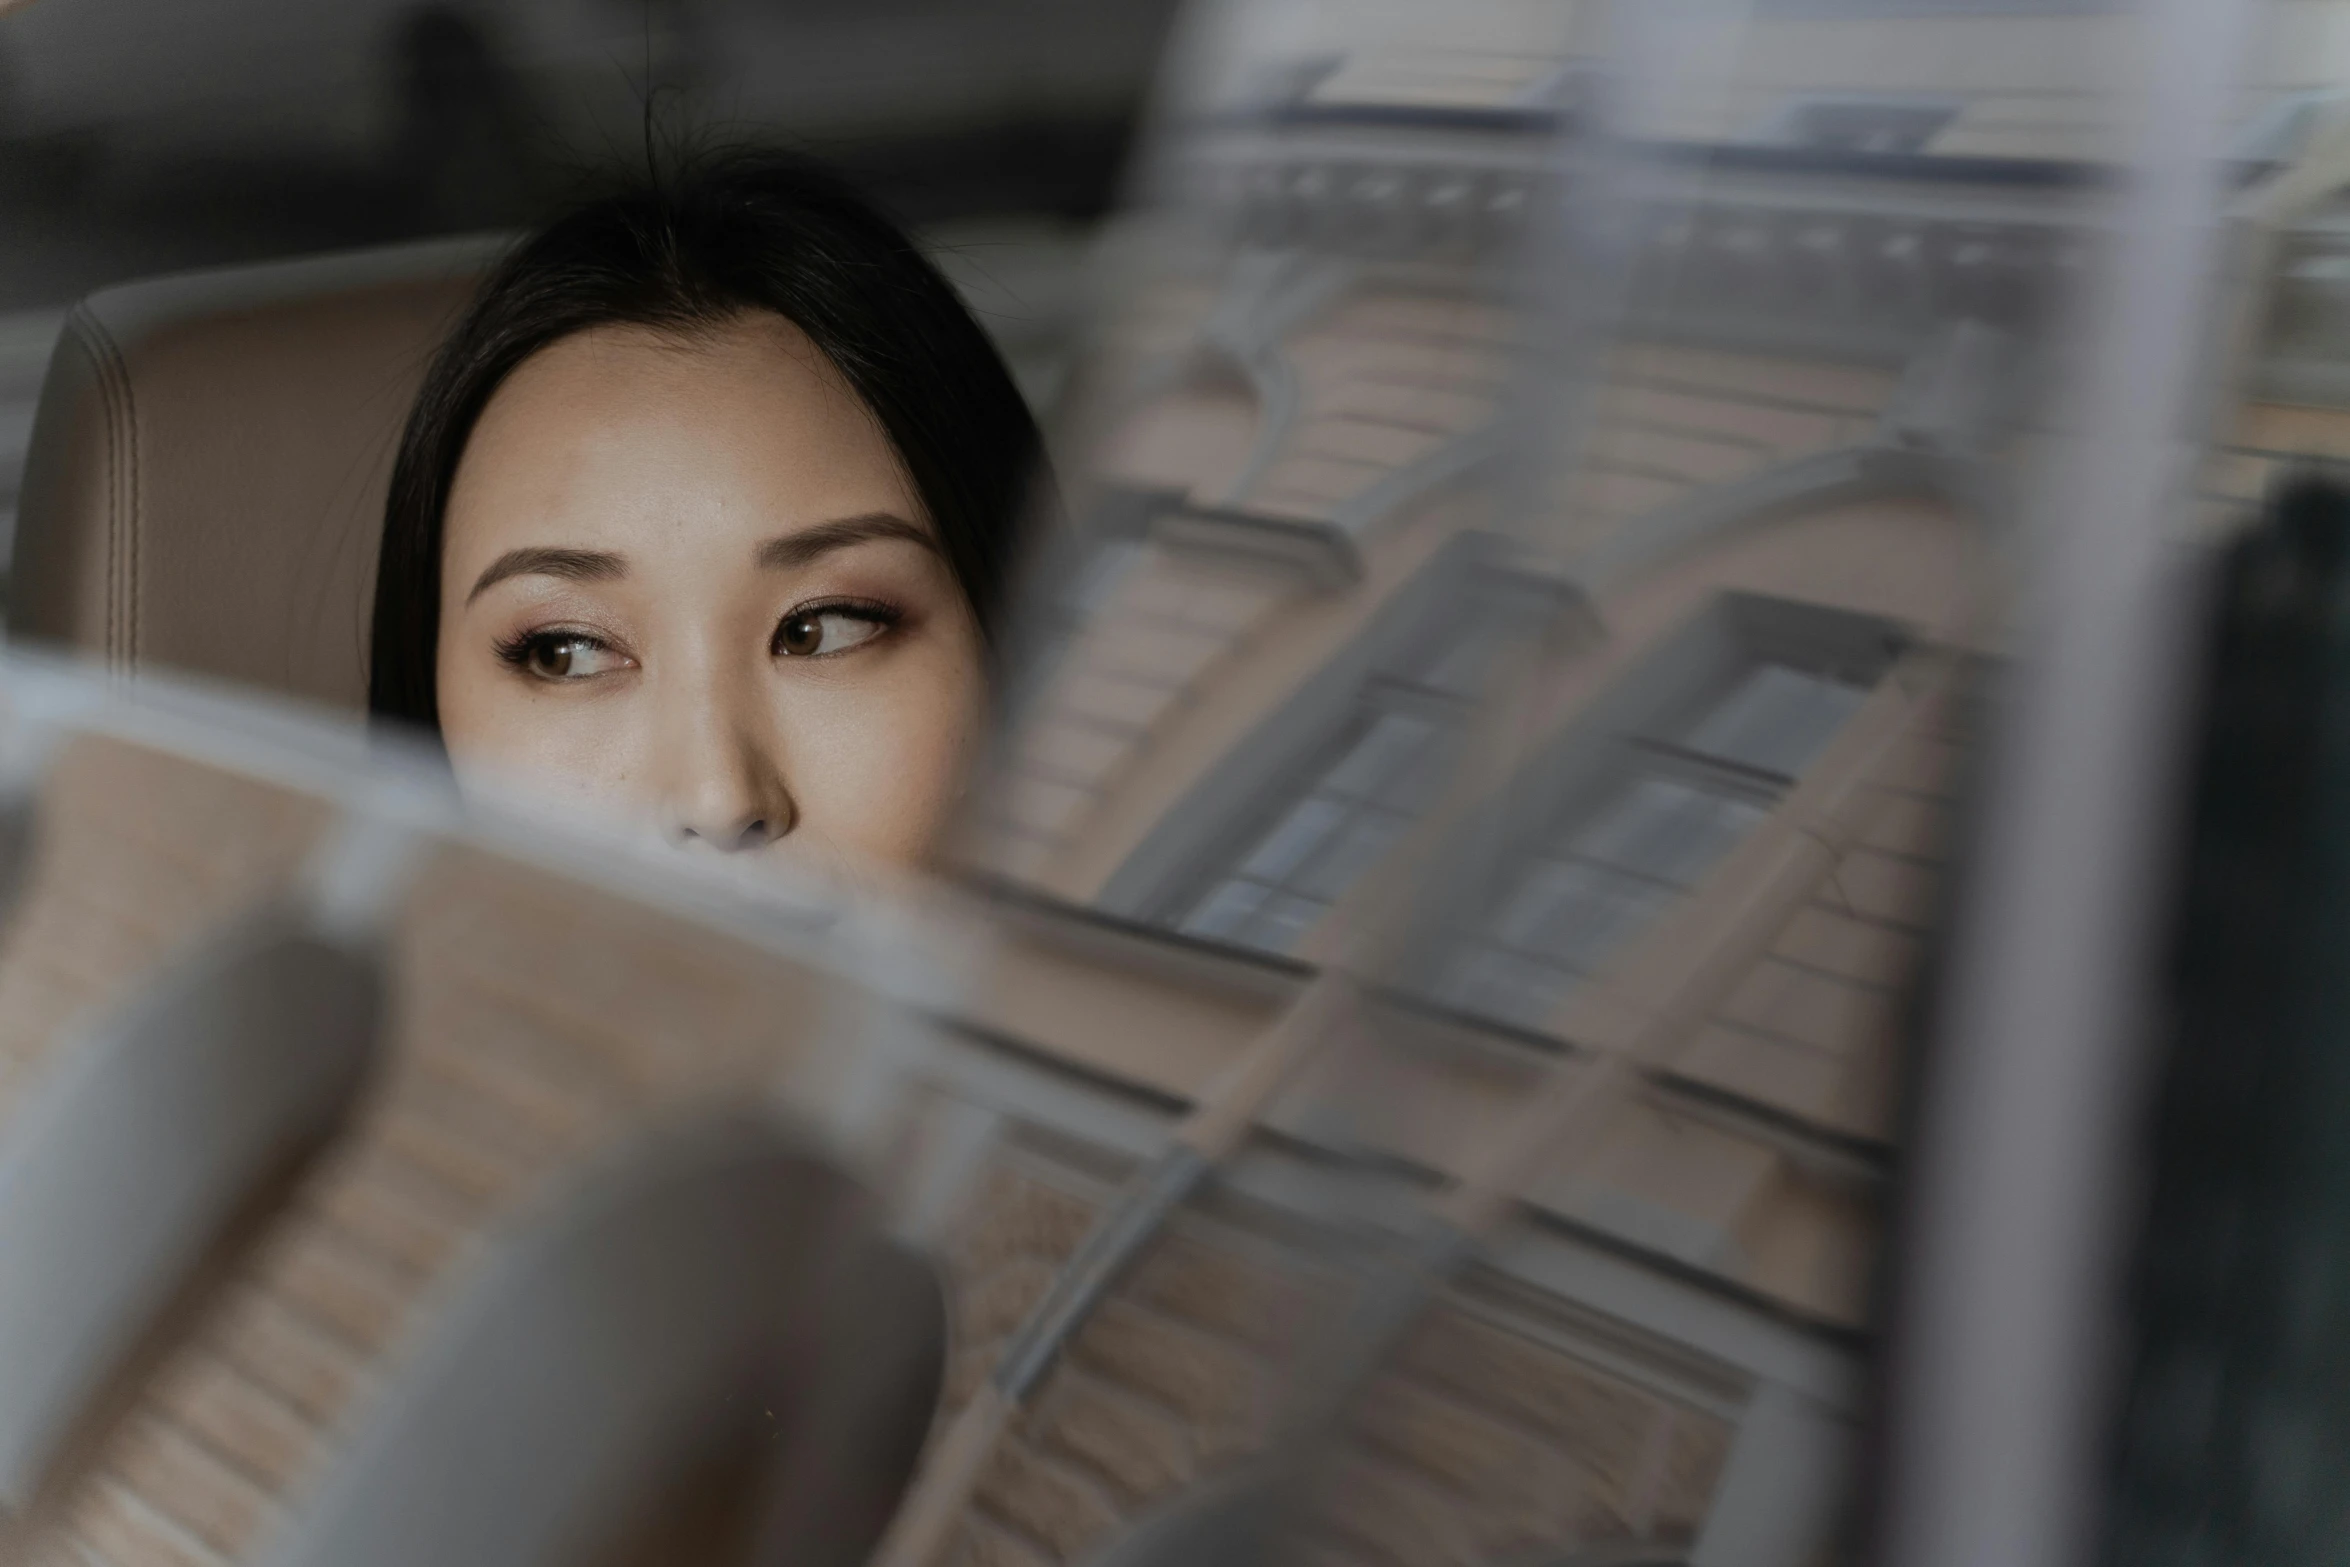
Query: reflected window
[1676, 799]
[2282, 132]
[1355, 798]
[1641, 795]
[1859, 123]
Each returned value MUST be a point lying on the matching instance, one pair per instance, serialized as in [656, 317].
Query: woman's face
[688, 576]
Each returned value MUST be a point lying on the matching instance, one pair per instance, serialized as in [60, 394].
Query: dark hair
[707, 242]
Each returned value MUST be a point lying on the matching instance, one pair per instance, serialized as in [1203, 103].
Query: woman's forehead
[623, 435]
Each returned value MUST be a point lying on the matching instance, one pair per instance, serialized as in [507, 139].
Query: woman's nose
[726, 832]
[726, 788]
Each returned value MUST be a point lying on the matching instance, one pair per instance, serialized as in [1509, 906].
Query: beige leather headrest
[206, 477]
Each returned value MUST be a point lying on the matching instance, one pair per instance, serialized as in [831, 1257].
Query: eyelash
[515, 651]
[871, 611]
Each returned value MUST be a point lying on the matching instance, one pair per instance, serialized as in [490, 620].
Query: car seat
[206, 473]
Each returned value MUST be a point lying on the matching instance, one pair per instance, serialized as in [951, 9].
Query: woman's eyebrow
[545, 561]
[794, 550]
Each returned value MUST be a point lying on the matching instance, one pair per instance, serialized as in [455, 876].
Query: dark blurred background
[147, 133]
[147, 136]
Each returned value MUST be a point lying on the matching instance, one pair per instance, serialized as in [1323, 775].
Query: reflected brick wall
[1489, 1439]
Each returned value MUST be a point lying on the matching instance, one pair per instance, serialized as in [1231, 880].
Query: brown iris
[800, 635]
[552, 656]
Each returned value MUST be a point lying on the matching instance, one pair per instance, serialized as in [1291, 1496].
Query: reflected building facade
[1783, 506]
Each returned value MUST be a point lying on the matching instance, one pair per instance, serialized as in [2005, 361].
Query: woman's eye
[808, 633]
[563, 655]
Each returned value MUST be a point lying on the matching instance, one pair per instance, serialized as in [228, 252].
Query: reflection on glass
[1604, 872]
[1381, 772]
[1745, 420]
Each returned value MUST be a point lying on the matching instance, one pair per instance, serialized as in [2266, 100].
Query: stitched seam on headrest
[122, 498]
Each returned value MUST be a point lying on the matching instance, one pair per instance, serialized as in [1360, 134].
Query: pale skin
[689, 578]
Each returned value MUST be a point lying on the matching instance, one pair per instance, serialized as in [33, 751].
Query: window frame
[1784, 125]
[1588, 763]
[1203, 840]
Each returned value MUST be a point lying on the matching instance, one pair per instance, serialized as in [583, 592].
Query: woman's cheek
[567, 755]
[881, 777]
